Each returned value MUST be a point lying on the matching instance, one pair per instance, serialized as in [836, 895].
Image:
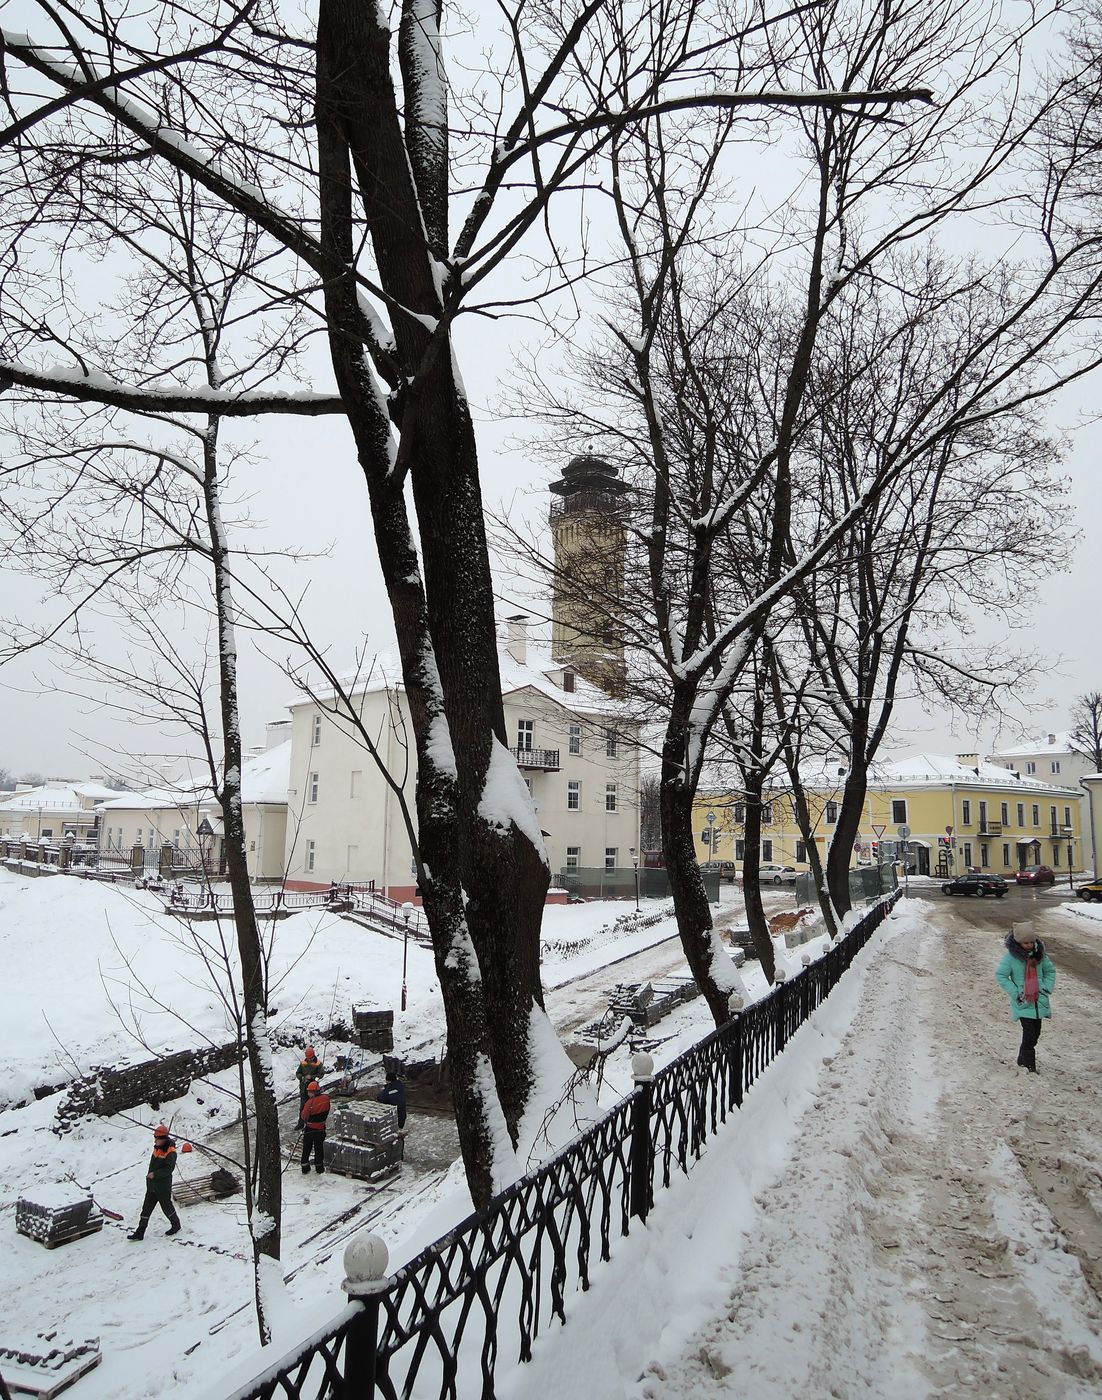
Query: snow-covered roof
[264, 778]
[1053, 744]
[57, 797]
[936, 769]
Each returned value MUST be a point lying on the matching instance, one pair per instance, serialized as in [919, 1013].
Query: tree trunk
[265, 1218]
[751, 882]
[484, 879]
[707, 960]
[850, 816]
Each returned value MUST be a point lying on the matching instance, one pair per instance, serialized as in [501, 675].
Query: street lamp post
[1067, 833]
[635, 862]
[407, 910]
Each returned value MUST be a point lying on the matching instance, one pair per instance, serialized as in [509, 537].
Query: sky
[308, 494]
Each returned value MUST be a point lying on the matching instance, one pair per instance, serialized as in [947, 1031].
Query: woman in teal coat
[1027, 976]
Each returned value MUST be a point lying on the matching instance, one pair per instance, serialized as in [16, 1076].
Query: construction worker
[313, 1114]
[310, 1069]
[394, 1092]
[158, 1184]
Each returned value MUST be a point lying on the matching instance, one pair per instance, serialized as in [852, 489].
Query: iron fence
[437, 1327]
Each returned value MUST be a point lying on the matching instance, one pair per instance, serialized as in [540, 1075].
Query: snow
[865, 1179]
[506, 801]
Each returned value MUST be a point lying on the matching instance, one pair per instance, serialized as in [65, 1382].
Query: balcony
[543, 760]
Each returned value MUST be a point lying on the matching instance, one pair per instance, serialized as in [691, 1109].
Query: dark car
[976, 884]
[1036, 875]
[1091, 890]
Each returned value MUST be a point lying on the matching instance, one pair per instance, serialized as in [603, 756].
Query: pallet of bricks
[56, 1215]
[363, 1141]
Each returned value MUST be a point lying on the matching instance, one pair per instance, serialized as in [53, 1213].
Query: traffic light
[875, 848]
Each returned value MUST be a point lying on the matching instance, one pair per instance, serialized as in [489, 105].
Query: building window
[1021, 814]
[966, 813]
[1055, 854]
[610, 743]
[524, 735]
[1036, 815]
[610, 857]
[967, 855]
[1052, 819]
[568, 682]
[899, 811]
[767, 850]
[740, 813]
[983, 816]
[1067, 816]
[740, 848]
[831, 813]
[315, 732]
[610, 797]
[311, 852]
[1031, 768]
[575, 738]
[767, 814]
[1006, 856]
[983, 855]
[313, 787]
[1004, 813]
[573, 857]
[355, 780]
[1056, 765]
[801, 851]
[573, 795]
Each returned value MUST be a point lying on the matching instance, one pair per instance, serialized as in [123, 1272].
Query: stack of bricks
[363, 1141]
[54, 1215]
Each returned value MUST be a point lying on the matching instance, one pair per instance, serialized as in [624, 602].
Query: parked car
[974, 883]
[1091, 890]
[1036, 875]
[777, 874]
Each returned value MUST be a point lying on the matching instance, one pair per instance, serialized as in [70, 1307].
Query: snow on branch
[92, 387]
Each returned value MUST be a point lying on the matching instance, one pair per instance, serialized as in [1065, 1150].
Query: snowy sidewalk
[898, 1212]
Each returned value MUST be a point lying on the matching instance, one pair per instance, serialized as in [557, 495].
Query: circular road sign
[903, 832]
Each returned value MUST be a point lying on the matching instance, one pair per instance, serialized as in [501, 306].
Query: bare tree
[362, 170]
[1085, 734]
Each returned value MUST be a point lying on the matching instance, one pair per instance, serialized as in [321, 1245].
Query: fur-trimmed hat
[1022, 932]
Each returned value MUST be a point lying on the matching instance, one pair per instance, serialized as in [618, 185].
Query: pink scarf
[1032, 986]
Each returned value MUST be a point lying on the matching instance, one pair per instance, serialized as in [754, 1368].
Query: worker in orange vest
[313, 1114]
[158, 1184]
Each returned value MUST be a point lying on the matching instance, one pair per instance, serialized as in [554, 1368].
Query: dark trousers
[313, 1142]
[1031, 1034]
[157, 1198]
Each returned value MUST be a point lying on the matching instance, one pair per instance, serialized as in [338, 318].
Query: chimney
[277, 731]
[968, 760]
[516, 638]
[1052, 739]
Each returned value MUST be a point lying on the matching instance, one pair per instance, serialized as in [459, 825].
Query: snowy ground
[898, 1212]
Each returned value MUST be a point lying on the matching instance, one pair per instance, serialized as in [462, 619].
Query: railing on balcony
[547, 760]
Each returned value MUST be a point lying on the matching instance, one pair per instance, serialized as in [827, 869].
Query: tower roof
[589, 473]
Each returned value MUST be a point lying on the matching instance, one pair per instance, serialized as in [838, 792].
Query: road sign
[879, 831]
[903, 832]
[709, 817]
[948, 831]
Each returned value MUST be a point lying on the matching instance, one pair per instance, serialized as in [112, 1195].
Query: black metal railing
[502, 1276]
[547, 760]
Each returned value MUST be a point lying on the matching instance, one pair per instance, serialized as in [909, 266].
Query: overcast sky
[308, 493]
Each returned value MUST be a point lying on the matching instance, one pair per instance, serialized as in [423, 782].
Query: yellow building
[954, 814]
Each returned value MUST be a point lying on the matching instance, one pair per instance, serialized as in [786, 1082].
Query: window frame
[574, 739]
[612, 797]
[574, 791]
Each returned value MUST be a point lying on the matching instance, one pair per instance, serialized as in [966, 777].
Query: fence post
[780, 1039]
[735, 1003]
[365, 1262]
[642, 1156]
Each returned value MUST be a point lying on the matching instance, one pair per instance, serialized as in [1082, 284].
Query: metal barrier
[437, 1326]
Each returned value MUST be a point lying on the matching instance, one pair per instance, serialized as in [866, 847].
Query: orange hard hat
[160, 1131]
[186, 1147]
[312, 1086]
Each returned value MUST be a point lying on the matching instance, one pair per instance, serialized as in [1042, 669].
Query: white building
[172, 817]
[577, 753]
[53, 811]
[1052, 760]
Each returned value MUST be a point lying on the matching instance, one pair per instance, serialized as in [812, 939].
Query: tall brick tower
[589, 530]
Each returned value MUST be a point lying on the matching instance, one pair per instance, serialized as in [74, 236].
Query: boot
[173, 1224]
[306, 1168]
[139, 1233]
